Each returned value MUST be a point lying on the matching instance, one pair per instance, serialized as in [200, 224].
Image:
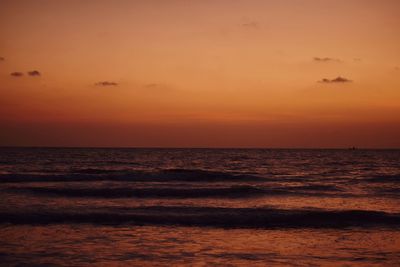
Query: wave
[390, 178]
[316, 187]
[187, 175]
[388, 192]
[238, 191]
[209, 217]
[172, 192]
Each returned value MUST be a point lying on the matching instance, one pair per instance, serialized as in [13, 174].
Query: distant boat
[352, 148]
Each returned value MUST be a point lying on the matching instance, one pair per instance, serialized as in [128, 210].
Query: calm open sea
[249, 207]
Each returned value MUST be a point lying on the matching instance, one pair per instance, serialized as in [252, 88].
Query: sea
[199, 207]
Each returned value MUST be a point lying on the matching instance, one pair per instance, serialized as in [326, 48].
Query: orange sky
[221, 73]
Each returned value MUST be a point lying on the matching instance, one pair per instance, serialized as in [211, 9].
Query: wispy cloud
[158, 87]
[251, 24]
[106, 83]
[326, 59]
[338, 79]
[17, 74]
[151, 85]
[34, 73]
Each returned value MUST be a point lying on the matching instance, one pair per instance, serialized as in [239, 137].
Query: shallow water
[199, 206]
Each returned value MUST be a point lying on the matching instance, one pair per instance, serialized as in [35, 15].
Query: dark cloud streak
[338, 79]
[326, 59]
[106, 83]
[34, 73]
[17, 74]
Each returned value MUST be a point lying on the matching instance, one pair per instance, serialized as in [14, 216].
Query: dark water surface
[249, 207]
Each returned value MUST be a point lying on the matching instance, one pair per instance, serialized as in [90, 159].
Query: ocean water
[199, 207]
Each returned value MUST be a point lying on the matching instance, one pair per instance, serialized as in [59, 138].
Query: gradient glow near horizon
[221, 73]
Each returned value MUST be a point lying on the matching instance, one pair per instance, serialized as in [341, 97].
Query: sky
[181, 73]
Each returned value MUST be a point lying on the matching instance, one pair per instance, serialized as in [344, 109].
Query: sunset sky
[180, 73]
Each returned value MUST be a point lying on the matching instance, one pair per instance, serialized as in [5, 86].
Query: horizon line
[205, 147]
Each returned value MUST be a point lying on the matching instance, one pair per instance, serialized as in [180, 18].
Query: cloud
[17, 74]
[157, 87]
[336, 80]
[34, 73]
[151, 85]
[326, 59]
[106, 83]
[2, 59]
[251, 24]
